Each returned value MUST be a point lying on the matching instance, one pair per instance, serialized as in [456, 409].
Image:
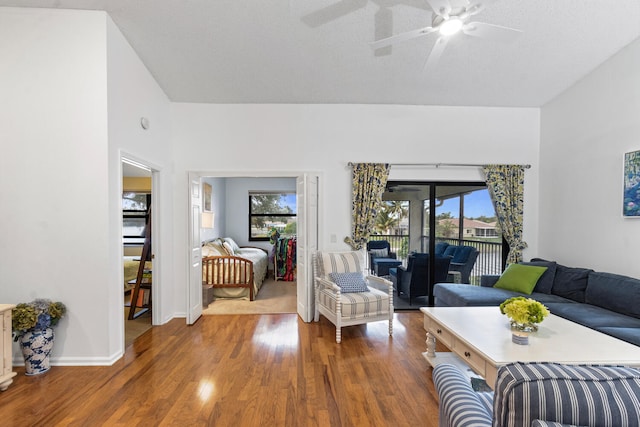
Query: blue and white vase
[36, 347]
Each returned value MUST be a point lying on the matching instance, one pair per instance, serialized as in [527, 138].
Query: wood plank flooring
[241, 370]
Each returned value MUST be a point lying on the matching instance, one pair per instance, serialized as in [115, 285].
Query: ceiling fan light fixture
[450, 27]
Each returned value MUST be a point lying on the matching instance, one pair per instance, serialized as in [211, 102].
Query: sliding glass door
[457, 213]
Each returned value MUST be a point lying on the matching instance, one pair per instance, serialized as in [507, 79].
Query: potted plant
[524, 313]
[33, 324]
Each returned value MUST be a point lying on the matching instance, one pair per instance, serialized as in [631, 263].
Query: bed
[233, 271]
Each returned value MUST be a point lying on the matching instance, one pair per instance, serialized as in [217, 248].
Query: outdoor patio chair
[381, 258]
[413, 281]
[463, 260]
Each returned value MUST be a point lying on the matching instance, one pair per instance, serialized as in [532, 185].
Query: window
[269, 210]
[134, 215]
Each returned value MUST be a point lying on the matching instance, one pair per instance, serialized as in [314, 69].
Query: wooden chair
[350, 308]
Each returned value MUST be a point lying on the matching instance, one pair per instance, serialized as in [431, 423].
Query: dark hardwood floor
[241, 370]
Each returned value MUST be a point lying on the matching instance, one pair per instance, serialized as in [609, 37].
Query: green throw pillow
[520, 278]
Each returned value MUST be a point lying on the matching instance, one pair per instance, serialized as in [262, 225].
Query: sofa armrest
[489, 280]
[459, 404]
[568, 394]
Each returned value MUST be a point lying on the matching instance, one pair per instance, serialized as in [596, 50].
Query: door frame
[258, 174]
[156, 248]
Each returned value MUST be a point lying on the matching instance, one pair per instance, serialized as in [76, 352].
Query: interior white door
[194, 298]
[307, 242]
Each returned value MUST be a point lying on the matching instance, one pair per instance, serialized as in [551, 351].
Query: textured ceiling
[317, 52]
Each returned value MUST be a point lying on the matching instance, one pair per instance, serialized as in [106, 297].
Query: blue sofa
[606, 302]
[541, 394]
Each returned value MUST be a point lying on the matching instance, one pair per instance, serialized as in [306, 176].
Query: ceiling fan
[448, 21]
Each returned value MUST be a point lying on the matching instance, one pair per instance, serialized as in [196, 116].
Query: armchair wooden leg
[338, 319]
[316, 314]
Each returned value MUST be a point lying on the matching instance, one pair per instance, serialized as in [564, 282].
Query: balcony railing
[489, 259]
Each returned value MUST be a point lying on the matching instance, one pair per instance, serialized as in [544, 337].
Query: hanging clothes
[285, 258]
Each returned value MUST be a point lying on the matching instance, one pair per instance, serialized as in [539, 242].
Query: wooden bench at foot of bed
[228, 272]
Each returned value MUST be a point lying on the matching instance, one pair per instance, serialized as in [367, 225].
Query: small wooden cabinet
[6, 364]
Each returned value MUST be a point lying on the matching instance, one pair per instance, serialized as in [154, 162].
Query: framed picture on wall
[631, 190]
[206, 197]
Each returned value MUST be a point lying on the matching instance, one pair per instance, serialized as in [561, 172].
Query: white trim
[263, 174]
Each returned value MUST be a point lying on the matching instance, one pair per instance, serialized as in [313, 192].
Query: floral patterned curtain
[369, 181]
[506, 187]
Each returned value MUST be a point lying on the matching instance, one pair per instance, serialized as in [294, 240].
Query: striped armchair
[346, 303]
[541, 394]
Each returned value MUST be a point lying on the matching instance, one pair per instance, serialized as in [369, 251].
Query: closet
[284, 258]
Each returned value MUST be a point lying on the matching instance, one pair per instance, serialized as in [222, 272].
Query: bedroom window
[269, 210]
[134, 214]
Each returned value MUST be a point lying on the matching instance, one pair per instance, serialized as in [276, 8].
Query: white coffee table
[480, 338]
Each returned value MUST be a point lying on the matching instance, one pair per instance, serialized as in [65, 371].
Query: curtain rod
[437, 165]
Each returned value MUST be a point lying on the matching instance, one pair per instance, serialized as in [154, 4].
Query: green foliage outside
[290, 229]
[390, 215]
[267, 204]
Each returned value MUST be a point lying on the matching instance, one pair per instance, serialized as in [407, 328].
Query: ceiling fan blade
[491, 32]
[440, 7]
[401, 37]
[383, 28]
[332, 12]
[436, 52]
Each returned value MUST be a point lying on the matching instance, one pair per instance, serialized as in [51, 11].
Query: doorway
[306, 190]
[137, 202]
[454, 213]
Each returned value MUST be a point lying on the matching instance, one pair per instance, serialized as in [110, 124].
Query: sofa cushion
[570, 282]
[520, 278]
[356, 305]
[545, 283]
[379, 253]
[339, 262]
[462, 254]
[569, 394]
[441, 247]
[450, 250]
[463, 295]
[614, 292]
[630, 335]
[592, 316]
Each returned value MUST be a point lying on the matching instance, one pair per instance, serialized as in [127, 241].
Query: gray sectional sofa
[606, 302]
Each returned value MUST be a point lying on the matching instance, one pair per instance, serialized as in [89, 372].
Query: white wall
[54, 172]
[243, 139]
[132, 94]
[73, 92]
[237, 205]
[585, 133]
[218, 204]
